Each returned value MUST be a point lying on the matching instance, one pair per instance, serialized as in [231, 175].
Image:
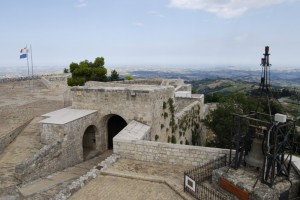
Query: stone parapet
[46, 161]
[166, 153]
[6, 139]
[134, 131]
[23, 78]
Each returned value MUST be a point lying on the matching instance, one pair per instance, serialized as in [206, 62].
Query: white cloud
[81, 3]
[156, 14]
[241, 37]
[225, 8]
[139, 24]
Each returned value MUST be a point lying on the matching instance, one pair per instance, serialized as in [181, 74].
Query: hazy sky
[151, 32]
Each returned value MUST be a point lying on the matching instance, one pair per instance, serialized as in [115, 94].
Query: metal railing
[194, 180]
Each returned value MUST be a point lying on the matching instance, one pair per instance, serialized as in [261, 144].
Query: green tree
[100, 74]
[220, 121]
[73, 66]
[128, 77]
[89, 71]
[114, 76]
[99, 62]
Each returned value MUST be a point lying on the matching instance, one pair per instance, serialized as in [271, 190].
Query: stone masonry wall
[126, 82]
[46, 161]
[143, 104]
[70, 135]
[9, 137]
[23, 78]
[55, 81]
[182, 102]
[166, 153]
[181, 121]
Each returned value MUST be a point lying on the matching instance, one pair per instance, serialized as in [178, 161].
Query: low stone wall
[134, 131]
[184, 87]
[166, 153]
[46, 82]
[55, 81]
[143, 82]
[182, 102]
[46, 161]
[23, 78]
[9, 137]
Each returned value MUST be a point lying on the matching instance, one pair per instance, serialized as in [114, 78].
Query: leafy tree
[66, 70]
[212, 97]
[100, 74]
[114, 76]
[76, 81]
[73, 66]
[128, 77]
[99, 62]
[220, 121]
[89, 71]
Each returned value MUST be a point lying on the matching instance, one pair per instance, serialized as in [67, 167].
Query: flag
[24, 53]
[23, 56]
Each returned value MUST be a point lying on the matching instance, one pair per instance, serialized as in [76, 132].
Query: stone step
[47, 187]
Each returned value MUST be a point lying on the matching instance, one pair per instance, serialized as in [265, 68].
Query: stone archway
[89, 142]
[114, 125]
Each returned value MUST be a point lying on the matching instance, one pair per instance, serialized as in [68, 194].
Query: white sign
[190, 183]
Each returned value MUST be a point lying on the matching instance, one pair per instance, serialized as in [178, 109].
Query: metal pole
[31, 68]
[27, 63]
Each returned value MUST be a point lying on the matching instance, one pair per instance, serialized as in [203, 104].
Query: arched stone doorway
[114, 125]
[89, 142]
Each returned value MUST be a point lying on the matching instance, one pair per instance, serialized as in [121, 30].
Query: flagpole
[27, 64]
[31, 67]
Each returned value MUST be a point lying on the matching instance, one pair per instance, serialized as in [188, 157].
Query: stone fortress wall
[150, 103]
[133, 146]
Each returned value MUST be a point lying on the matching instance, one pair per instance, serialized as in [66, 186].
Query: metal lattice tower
[274, 140]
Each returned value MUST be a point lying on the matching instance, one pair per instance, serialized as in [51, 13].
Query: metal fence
[194, 180]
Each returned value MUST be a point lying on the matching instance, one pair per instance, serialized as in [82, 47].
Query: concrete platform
[296, 163]
[65, 115]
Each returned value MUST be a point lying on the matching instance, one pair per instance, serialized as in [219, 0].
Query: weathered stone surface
[166, 153]
[245, 178]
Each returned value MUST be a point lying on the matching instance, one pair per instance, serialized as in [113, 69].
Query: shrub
[76, 81]
[128, 77]
[165, 115]
[164, 105]
[156, 137]
[173, 140]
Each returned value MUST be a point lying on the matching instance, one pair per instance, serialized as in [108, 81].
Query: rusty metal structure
[264, 140]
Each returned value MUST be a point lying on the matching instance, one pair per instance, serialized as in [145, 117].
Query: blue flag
[23, 56]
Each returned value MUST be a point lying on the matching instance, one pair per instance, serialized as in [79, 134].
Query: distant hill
[284, 78]
[221, 86]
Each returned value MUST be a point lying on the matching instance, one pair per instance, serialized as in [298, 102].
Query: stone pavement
[141, 178]
[48, 187]
[296, 162]
[111, 187]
